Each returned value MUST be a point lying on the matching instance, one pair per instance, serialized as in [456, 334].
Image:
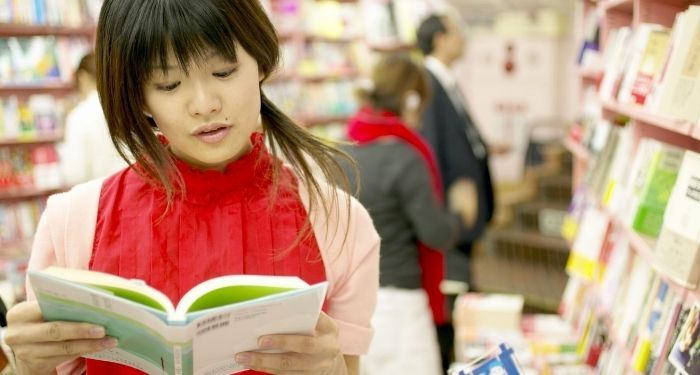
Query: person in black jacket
[461, 153]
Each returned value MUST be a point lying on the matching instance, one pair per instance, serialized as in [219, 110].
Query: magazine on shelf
[201, 335]
[685, 355]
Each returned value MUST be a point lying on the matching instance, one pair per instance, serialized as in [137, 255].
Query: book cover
[651, 64]
[677, 252]
[156, 337]
[658, 182]
[680, 91]
[637, 49]
[685, 355]
[499, 361]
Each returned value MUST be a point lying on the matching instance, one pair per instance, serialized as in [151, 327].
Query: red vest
[223, 226]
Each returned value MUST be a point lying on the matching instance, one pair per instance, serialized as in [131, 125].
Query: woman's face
[209, 114]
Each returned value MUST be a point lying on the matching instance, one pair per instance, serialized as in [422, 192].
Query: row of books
[313, 100]
[25, 168]
[654, 194]
[69, 13]
[318, 58]
[653, 66]
[379, 21]
[40, 59]
[28, 119]
[633, 321]
[18, 221]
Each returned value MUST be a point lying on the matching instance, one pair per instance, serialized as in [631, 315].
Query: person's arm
[48, 348]
[433, 224]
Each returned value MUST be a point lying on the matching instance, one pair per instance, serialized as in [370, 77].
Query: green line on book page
[107, 313]
[131, 295]
[233, 294]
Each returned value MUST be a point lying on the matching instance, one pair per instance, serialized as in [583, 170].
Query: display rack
[31, 195]
[644, 123]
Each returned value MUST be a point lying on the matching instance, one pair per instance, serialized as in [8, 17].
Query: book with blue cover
[499, 361]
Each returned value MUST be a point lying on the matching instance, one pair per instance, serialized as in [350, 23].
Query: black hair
[425, 35]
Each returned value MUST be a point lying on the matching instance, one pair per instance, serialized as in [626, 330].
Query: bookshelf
[33, 97]
[647, 117]
[325, 52]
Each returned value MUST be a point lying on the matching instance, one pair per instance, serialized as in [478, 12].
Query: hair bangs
[188, 30]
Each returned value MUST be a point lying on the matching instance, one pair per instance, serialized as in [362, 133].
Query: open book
[213, 321]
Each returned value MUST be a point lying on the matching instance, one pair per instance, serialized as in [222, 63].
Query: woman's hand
[39, 346]
[318, 354]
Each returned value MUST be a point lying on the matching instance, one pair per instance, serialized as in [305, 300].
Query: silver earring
[148, 114]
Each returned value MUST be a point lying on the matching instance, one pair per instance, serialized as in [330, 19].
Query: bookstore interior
[591, 261]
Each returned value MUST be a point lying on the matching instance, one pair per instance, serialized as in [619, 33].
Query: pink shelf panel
[7, 30]
[56, 88]
[312, 121]
[643, 115]
[39, 139]
[696, 131]
[618, 5]
[27, 193]
[391, 47]
[590, 74]
[343, 74]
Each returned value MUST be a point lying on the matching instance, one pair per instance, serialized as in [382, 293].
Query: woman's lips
[213, 136]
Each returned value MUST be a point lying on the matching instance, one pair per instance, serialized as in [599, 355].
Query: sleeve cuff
[354, 339]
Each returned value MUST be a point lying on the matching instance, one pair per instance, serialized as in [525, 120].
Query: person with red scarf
[400, 186]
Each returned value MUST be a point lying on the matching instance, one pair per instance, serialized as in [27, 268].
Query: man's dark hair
[426, 32]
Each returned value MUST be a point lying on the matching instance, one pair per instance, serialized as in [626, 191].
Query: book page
[227, 290]
[223, 332]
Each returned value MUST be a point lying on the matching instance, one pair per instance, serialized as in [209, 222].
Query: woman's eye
[168, 87]
[225, 73]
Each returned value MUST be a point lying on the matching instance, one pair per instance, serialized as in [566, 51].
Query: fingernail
[266, 343]
[109, 343]
[242, 357]
[97, 332]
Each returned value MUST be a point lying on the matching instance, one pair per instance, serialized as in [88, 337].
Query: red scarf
[367, 126]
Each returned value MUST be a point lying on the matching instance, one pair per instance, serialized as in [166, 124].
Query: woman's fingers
[52, 332]
[68, 349]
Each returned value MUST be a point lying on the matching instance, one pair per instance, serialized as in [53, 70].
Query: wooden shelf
[55, 88]
[38, 139]
[696, 131]
[643, 115]
[331, 39]
[21, 246]
[391, 47]
[626, 6]
[8, 30]
[27, 193]
[577, 149]
[334, 76]
[590, 74]
[312, 121]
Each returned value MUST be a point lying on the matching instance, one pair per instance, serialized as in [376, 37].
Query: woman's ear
[411, 101]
